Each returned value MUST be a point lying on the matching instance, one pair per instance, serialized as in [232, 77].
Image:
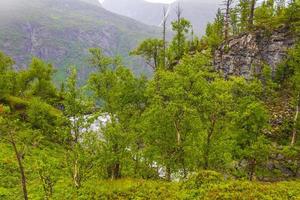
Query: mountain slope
[197, 11]
[62, 31]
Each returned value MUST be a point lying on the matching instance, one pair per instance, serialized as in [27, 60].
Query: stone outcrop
[244, 55]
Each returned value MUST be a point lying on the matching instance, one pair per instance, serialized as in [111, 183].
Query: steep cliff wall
[244, 55]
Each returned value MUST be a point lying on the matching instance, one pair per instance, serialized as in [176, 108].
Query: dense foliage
[185, 133]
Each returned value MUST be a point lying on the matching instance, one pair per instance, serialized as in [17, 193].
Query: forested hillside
[62, 31]
[192, 131]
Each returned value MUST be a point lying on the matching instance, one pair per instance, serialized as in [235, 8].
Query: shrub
[129, 189]
[197, 180]
[253, 190]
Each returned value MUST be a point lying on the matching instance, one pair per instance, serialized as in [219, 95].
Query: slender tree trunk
[180, 148]
[164, 35]
[109, 171]
[295, 122]
[207, 151]
[183, 162]
[251, 16]
[137, 160]
[179, 39]
[155, 58]
[168, 173]
[21, 168]
[75, 129]
[116, 171]
[178, 135]
[252, 165]
[116, 167]
[208, 143]
[47, 185]
[76, 177]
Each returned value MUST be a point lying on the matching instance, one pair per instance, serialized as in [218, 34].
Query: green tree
[293, 63]
[187, 117]
[20, 138]
[244, 12]
[121, 97]
[227, 17]
[252, 121]
[76, 107]
[234, 21]
[178, 45]
[37, 81]
[288, 76]
[6, 75]
[101, 62]
[265, 15]
[214, 32]
[251, 14]
[42, 116]
[165, 118]
[152, 51]
[211, 100]
[292, 16]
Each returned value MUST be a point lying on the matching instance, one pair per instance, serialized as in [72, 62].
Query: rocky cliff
[244, 55]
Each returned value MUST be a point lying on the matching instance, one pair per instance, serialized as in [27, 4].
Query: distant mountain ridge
[93, 2]
[199, 12]
[62, 31]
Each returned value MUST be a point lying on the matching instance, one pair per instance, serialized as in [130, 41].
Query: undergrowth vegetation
[188, 132]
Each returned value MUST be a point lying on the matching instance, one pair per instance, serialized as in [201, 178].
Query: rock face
[246, 54]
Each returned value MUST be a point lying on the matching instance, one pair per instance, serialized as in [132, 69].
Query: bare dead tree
[164, 24]
[178, 12]
[178, 20]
